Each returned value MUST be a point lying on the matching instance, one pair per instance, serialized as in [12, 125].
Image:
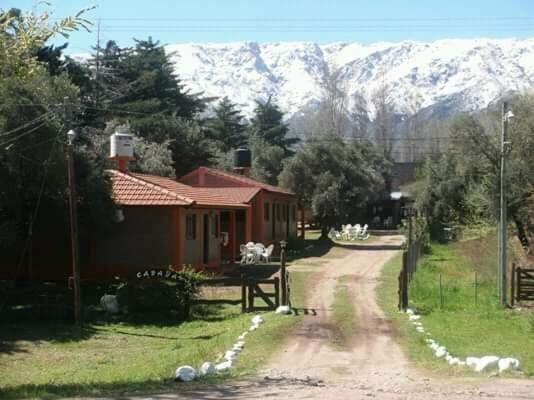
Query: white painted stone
[472, 361]
[508, 363]
[420, 329]
[110, 303]
[207, 369]
[414, 317]
[230, 355]
[441, 352]
[242, 336]
[283, 310]
[486, 363]
[257, 320]
[238, 346]
[185, 373]
[223, 366]
[409, 311]
[252, 328]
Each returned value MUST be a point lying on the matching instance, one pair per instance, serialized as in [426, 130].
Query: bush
[161, 295]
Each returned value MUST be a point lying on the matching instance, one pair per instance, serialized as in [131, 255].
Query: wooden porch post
[177, 239]
[232, 238]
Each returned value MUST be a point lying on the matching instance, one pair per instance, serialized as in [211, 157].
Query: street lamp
[507, 115]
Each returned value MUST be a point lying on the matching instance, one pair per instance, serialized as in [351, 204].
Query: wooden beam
[248, 224]
[232, 233]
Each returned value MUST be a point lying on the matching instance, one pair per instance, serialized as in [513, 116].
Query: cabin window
[191, 227]
[266, 210]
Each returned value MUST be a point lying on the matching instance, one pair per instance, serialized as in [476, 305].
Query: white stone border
[479, 364]
[187, 373]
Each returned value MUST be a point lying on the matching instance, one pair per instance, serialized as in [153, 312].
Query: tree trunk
[521, 232]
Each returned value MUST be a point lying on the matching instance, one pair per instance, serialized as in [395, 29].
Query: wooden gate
[522, 284]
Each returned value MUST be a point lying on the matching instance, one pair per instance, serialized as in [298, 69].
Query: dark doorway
[206, 238]
[240, 222]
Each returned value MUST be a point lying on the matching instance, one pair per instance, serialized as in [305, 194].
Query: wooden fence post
[518, 283]
[404, 286]
[243, 296]
[283, 275]
[250, 297]
[512, 286]
[276, 292]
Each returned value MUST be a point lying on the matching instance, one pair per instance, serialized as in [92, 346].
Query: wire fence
[410, 258]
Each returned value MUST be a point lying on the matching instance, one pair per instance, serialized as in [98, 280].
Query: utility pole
[97, 75]
[503, 220]
[73, 215]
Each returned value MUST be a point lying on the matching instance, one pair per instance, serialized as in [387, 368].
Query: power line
[25, 125]
[12, 140]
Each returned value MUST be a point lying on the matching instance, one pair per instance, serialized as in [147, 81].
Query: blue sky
[172, 21]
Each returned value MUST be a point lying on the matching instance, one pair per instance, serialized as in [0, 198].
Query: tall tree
[32, 130]
[268, 124]
[227, 127]
[335, 179]
[383, 122]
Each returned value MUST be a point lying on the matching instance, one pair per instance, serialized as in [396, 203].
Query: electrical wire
[39, 198]
[12, 140]
[25, 125]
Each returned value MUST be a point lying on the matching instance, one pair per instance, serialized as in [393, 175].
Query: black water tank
[242, 158]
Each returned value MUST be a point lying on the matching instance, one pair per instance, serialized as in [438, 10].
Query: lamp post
[502, 250]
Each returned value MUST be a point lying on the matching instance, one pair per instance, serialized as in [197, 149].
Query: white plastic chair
[267, 253]
[363, 234]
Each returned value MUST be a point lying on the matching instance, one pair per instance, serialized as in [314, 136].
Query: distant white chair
[363, 234]
[266, 254]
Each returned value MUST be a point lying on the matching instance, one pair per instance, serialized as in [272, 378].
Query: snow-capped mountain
[457, 74]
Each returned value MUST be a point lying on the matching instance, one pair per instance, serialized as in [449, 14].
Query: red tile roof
[200, 195]
[131, 191]
[143, 189]
[241, 180]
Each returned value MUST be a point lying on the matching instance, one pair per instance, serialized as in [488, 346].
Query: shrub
[161, 295]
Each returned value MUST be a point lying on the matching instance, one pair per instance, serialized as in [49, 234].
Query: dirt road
[372, 366]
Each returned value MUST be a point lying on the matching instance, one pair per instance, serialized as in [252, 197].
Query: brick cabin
[273, 210]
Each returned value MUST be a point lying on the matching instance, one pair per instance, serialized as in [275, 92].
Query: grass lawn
[45, 360]
[465, 326]
[109, 357]
[343, 313]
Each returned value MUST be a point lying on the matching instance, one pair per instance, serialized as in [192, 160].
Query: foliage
[335, 179]
[155, 295]
[462, 187]
[267, 124]
[267, 160]
[227, 127]
[23, 34]
[33, 197]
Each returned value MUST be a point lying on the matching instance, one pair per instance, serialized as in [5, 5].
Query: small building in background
[273, 213]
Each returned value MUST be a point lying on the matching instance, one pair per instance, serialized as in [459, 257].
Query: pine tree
[227, 127]
[268, 125]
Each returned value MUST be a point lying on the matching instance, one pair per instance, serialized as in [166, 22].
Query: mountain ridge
[465, 74]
